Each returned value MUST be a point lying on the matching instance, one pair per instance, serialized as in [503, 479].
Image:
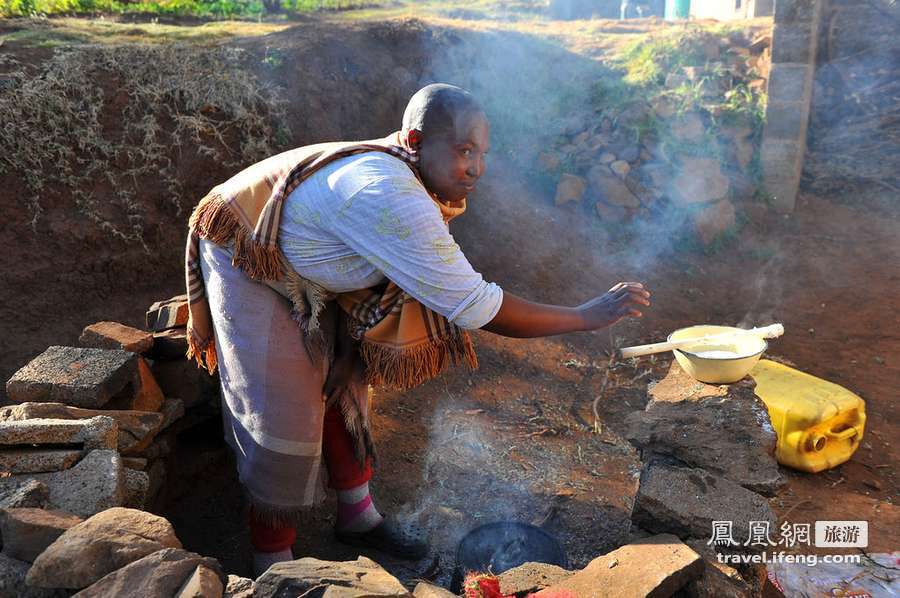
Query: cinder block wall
[794, 42]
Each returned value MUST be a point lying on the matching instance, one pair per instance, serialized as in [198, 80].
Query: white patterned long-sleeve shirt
[367, 217]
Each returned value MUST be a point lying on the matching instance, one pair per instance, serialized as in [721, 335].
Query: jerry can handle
[842, 435]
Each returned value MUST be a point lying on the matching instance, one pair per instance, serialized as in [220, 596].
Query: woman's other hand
[623, 300]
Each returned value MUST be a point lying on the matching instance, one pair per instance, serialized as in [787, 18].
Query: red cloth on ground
[344, 473]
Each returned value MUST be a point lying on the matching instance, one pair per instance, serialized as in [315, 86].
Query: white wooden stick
[771, 331]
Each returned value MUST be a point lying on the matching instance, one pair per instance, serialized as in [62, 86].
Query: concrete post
[789, 95]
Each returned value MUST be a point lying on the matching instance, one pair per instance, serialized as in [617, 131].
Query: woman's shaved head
[449, 131]
[433, 110]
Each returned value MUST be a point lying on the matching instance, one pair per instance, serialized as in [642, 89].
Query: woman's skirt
[273, 406]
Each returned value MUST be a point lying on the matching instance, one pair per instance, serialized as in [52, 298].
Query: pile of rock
[666, 153]
[708, 454]
[117, 552]
[657, 566]
[94, 423]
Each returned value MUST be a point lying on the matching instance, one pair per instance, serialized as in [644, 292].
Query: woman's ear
[414, 139]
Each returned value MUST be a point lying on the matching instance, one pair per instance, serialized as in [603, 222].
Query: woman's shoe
[403, 540]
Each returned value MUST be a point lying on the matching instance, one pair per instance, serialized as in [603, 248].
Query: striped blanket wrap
[401, 342]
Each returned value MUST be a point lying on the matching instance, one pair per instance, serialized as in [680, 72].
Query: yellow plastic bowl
[717, 369]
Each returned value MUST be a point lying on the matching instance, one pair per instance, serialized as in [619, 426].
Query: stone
[700, 180]
[138, 463]
[36, 460]
[597, 142]
[75, 376]
[170, 313]
[184, 380]
[137, 483]
[744, 149]
[786, 120]
[611, 188]
[146, 394]
[570, 188]
[361, 578]
[631, 153]
[795, 11]
[607, 158]
[718, 580]
[611, 214]
[793, 43]
[644, 194]
[689, 127]
[714, 220]
[23, 492]
[203, 583]
[788, 83]
[95, 483]
[160, 574]
[655, 567]
[426, 590]
[157, 476]
[169, 345]
[94, 433]
[160, 447]
[172, 410]
[12, 581]
[239, 587]
[664, 107]
[782, 164]
[549, 161]
[112, 335]
[620, 168]
[136, 429]
[27, 532]
[685, 501]
[659, 175]
[99, 545]
[711, 49]
[724, 429]
[531, 577]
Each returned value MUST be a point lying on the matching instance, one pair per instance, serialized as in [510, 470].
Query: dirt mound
[117, 143]
[826, 272]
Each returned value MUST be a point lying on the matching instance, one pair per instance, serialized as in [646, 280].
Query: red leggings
[344, 473]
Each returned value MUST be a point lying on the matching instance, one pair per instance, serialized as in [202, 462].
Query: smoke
[767, 291]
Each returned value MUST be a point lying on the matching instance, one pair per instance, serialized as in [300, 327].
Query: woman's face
[451, 162]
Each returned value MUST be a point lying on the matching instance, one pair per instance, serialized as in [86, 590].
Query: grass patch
[86, 142]
[200, 8]
[67, 31]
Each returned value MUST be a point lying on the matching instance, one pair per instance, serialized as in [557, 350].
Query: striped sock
[356, 512]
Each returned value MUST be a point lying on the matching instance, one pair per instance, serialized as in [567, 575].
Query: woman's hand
[623, 300]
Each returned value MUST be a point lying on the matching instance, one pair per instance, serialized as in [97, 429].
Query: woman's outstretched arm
[520, 318]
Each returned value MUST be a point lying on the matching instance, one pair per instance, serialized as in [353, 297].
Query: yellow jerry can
[819, 424]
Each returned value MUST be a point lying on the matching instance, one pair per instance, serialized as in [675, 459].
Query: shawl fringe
[406, 368]
[357, 425]
[280, 516]
[203, 352]
[214, 221]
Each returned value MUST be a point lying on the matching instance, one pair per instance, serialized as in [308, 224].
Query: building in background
[726, 10]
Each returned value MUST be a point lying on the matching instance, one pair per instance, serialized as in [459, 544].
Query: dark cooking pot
[502, 545]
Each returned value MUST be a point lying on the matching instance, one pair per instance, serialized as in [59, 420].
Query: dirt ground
[522, 420]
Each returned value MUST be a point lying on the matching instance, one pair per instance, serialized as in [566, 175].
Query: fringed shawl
[402, 342]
